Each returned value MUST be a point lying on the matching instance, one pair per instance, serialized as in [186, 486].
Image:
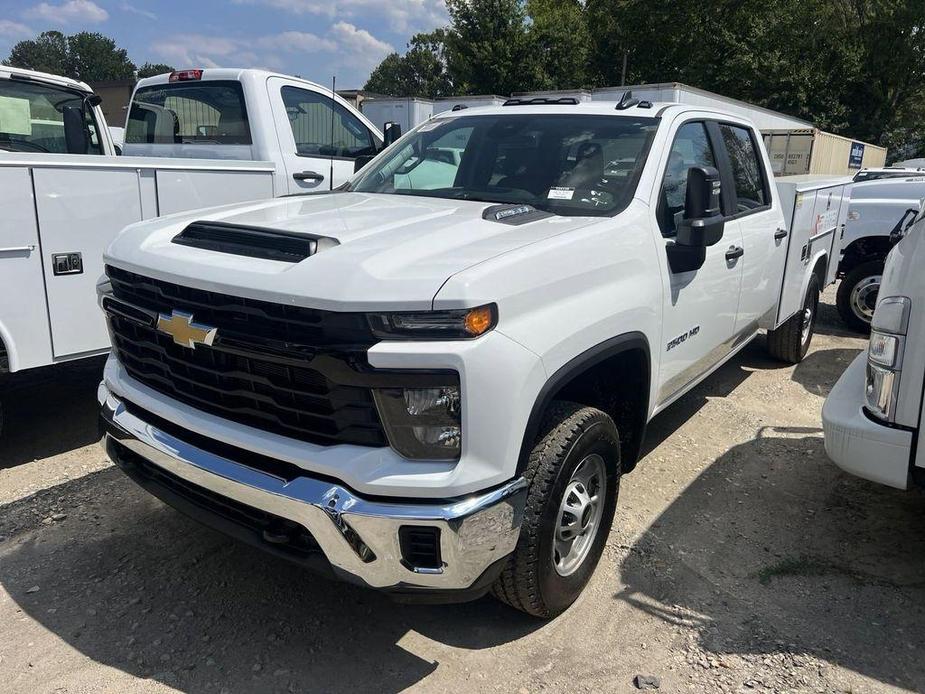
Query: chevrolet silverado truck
[431, 384]
[873, 416]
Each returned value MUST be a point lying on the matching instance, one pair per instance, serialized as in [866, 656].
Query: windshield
[207, 112]
[563, 163]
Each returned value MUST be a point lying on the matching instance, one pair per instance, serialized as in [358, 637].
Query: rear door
[320, 138]
[759, 218]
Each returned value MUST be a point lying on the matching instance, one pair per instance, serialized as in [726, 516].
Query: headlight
[422, 423]
[884, 355]
[434, 325]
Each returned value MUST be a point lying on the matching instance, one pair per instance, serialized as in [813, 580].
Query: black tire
[860, 276]
[790, 342]
[570, 434]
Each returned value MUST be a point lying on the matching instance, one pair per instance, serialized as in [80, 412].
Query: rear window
[210, 112]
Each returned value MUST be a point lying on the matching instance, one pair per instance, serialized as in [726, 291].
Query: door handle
[308, 176]
[18, 249]
[780, 234]
[734, 252]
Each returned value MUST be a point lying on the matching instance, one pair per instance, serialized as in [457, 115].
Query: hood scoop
[252, 242]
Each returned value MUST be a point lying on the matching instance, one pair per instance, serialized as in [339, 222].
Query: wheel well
[820, 271]
[616, 382]
[862, 250]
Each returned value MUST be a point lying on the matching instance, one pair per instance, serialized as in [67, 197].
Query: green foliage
[421, 71]
[152, 69]
[853, 67]
[86, 56]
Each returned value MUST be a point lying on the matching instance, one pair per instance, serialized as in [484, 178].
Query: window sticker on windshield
[15, 116]
[560, 193]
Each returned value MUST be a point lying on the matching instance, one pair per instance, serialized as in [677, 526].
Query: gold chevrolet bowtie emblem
[184, 331]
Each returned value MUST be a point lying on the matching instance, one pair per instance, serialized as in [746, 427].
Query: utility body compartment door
[80, 210]
[815, 209]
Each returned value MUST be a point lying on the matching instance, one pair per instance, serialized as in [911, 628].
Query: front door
[319, 137]
[700, 306]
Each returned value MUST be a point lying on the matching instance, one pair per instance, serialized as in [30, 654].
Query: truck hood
[391, 252]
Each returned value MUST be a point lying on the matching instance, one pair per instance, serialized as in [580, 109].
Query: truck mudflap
[399, 546]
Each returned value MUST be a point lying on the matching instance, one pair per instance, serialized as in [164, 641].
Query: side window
[32, 118]
[746, 168]
[691, 147]
[312, 123]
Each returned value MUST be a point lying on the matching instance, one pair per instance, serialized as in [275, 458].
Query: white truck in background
[430, 384]
[194, 139]
[881, 203]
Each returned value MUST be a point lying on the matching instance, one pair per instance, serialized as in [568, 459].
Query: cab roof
[232, 74]
[8, 71]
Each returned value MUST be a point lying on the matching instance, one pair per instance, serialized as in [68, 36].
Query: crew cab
[431, 384]
[65, 194]
[872, 417]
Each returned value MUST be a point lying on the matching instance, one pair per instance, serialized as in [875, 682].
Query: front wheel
[857, 295]
[790, 341]
[574, 478]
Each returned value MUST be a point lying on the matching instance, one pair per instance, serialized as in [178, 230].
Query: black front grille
[284, 369]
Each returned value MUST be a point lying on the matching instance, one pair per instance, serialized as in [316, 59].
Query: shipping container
[814, 151]
[448, 103]
[408, 112]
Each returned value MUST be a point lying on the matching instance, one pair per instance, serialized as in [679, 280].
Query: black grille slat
[305, 389]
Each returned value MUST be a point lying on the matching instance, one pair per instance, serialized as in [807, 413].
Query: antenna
[333, 105]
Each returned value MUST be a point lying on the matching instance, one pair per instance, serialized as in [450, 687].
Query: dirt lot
[740, 560]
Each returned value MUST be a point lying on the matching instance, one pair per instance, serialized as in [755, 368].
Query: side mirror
[902, 226]
[362, 161]
[701, 222]
[390, 133]
[75, 134]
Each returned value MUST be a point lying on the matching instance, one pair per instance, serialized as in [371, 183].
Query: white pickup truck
[873, 416]
[431, 385]
[64, 194]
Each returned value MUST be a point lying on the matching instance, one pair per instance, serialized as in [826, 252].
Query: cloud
[125, 7]
[69, 12]
[346, 50]
[402, 16]
[10, 29]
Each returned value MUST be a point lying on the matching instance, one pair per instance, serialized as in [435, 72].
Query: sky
[315, 39]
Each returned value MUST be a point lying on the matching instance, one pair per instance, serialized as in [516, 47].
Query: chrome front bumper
[358, 537]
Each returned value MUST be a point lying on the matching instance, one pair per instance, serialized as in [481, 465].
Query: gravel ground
[741, 560]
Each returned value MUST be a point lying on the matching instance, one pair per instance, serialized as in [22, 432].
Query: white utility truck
[431, 385]
[64, 195]
[873, 416]
[879, 207]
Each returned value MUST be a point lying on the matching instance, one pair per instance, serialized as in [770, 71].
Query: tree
[488, 47]
[152, 69]
[559, 44]
[46, 53]
[421, 71]
[86, 56]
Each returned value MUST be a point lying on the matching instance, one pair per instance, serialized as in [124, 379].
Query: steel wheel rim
[864, 297]
[579, 517]
[809, 315]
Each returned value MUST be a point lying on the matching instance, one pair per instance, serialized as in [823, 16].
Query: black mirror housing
[390, 133]
[702, 222]
[75, 134]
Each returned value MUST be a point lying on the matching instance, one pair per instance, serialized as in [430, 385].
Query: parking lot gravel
[741, 560]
